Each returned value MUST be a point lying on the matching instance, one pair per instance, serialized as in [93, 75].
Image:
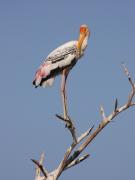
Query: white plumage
[63, 57]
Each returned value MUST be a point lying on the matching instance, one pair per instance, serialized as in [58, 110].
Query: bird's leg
[63, 92]
[68, 121]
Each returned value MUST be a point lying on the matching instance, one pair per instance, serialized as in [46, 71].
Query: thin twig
[128, 75]
[102, 112]
[116, 105]
[40, 166]
[85, 134]
[77, 161]
[63, 119]
[131, 95]
[70, 125]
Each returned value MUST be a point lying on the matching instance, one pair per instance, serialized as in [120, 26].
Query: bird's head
[83, 37]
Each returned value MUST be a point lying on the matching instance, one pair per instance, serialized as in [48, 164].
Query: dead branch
[77, 161]
[40, 168]
[70, 125]
[106, 120]
[71, 157]
[102, 112]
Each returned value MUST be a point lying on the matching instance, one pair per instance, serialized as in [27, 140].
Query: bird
[61, 61]
[63, 57]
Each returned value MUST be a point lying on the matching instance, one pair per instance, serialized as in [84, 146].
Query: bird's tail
[36, 82]
[43, 75]
[38, 78]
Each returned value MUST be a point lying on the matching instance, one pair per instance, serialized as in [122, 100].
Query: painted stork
[61, 61]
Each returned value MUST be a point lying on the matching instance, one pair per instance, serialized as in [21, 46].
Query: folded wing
[63, 57]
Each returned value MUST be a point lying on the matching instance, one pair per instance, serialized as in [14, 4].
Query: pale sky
[31, 29]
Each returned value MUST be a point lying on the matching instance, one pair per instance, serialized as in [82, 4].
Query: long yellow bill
[80, 41]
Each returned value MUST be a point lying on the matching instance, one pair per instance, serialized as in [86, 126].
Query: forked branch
[71, 157]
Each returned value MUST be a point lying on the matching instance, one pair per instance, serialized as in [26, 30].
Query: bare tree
[72, 154]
